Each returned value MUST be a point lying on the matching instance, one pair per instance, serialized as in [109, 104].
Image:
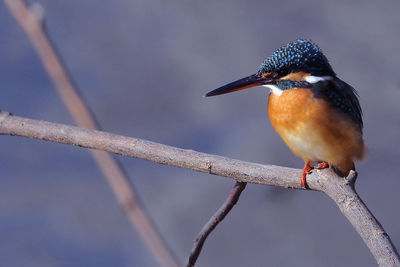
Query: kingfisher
[317, 115]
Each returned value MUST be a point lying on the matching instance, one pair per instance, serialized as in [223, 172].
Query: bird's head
[297, 64]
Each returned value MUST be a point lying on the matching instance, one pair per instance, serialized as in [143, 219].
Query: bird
[317, 115]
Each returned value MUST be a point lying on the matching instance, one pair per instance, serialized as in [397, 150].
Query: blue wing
[341, 96]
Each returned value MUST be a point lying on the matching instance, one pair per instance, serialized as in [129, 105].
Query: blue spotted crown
[299, 55]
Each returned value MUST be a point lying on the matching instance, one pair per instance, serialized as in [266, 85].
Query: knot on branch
[324, 180]
[208, 166]
[4, 115]
[351, 178]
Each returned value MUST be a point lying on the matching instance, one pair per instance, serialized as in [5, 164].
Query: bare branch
[139, 148]
[363, 221]
[214, 221]
[31, 20]
[339, 189]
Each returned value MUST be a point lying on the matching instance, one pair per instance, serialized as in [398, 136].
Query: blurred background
[144, 66]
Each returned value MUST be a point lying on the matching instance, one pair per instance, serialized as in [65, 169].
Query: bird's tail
[345, 167]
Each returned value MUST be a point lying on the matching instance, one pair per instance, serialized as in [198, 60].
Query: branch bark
[339, 189]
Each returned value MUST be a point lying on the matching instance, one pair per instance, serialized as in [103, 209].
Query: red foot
[322, 165]
[307, 168]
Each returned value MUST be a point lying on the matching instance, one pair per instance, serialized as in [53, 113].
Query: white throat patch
[274, 89]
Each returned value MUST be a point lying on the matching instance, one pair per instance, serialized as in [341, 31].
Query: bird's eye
[281, 73]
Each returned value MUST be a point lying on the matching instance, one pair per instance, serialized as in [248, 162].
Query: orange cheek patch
[266, 74]
[296, 76]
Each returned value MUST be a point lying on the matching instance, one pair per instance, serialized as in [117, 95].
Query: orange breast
[313, 130]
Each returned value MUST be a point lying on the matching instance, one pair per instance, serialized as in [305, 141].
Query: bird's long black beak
[247, 82]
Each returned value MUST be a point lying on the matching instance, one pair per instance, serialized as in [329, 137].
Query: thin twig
[214, 221]
[33, 25]
[339, 189]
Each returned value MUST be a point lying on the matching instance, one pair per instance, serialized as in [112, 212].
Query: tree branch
[364, 222]
[339, 189]
[33, 25]
[214, 221]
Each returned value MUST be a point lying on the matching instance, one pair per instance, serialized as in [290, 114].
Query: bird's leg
[322, 165]
[307, 168]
